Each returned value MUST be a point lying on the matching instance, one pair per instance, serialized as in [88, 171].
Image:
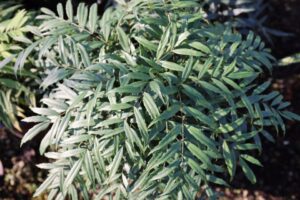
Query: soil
[20, 177]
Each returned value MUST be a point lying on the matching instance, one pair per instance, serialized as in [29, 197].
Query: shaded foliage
[15, 92]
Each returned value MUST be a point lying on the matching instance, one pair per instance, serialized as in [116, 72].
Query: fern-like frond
[149, 102]
[14, 27]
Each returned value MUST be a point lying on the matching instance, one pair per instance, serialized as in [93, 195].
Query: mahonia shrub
[15, 93]
[150, 101]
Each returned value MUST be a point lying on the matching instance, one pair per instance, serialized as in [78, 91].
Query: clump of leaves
[14, 92]
[149, 102]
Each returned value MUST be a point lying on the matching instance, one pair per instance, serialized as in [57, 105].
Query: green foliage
[14, 92]
[149, 102]
[289, 60]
